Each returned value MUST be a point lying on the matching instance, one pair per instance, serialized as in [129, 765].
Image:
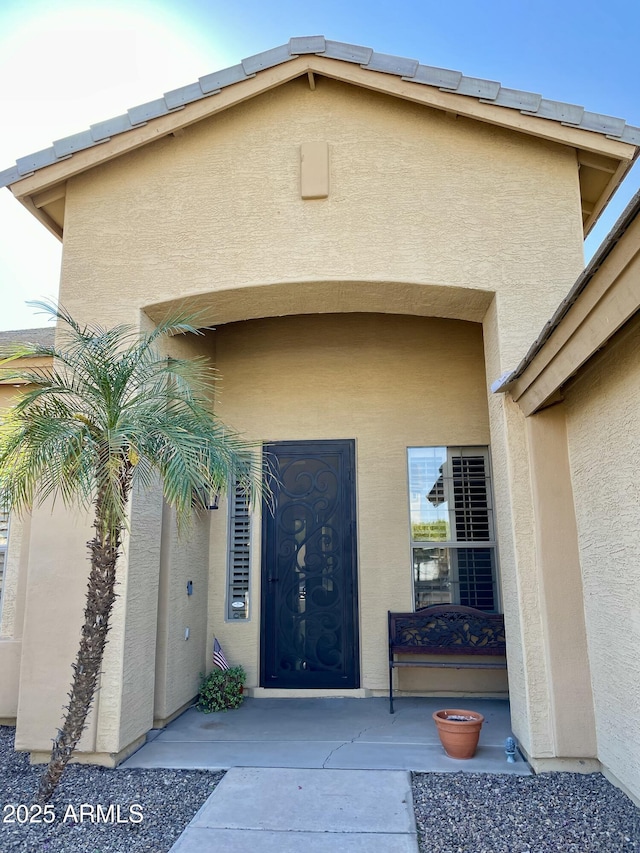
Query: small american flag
[219, 659]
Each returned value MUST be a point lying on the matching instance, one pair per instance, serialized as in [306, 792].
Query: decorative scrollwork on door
[309, 595]
[310, 569]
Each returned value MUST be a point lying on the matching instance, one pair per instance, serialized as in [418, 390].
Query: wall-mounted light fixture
[205, 500]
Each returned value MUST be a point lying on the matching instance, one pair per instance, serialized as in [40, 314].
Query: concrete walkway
[269, 810]
[317, 774]
[341, 734]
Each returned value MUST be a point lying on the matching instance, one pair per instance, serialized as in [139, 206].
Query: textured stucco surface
[130, 686]
[57, 576]
[561, 598]
[505, 531]
[184, 556]
[179, 662]
[12, 616]
[427, 215]
[8, 396]
[123, 710]
[520, 584]
[604, 446]
[9, 595]
[10, 654]
[12, 596]
[415, 197]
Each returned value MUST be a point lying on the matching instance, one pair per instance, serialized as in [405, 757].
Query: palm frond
[109, 413]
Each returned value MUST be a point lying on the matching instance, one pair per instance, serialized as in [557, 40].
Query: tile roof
[410, 70]
[42, 337]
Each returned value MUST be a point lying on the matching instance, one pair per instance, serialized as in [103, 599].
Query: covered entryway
[324, 392]
[330, 733]
[309, 581]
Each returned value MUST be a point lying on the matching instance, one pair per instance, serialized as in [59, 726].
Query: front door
[309, 633]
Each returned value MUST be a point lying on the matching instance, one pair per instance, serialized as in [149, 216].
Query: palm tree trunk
[103, 550]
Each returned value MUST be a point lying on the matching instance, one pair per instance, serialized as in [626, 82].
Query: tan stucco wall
[604, 445]
[561, 599]
[12, 614]
[123, 710]
[426, 215]
[8, 396]
[529, 686]
[10, 654]
[57, 561]
[513, 503]
[415, 197]
[387, 382]
[184, 557]
[12, 595]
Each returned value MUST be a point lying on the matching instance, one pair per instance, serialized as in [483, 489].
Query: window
[4, 541]
[453, 547]
[239, 560]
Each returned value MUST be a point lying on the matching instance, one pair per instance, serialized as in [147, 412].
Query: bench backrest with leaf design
[447, 630]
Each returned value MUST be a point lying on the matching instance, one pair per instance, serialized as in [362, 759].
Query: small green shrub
[221, 689]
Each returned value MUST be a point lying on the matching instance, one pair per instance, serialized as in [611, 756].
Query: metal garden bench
[445, 629]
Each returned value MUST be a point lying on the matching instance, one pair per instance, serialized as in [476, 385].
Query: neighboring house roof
[608, 144]
[604, 298]
[42, 337]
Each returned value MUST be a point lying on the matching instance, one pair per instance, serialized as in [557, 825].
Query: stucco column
[561, 599]
[519, 582]
[127, 688]
[549, 680]
[12, 601]
[182, 643]
[58, 569]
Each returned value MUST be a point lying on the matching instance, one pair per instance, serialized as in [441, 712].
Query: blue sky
[65, 65]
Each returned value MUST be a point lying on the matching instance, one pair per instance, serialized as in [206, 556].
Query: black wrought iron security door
[309, 594]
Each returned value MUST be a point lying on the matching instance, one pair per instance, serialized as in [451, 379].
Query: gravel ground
[549, 813]
[168, 799]
[455, 812]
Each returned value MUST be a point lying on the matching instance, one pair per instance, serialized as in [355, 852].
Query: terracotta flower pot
[459, 731]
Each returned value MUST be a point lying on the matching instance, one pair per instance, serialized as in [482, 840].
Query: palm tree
[109, 414]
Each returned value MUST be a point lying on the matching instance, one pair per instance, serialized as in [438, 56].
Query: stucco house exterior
[372, 244]
[579, 387]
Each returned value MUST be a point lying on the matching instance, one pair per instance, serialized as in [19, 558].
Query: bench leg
[391, 690]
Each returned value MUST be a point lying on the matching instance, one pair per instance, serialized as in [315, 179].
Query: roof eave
[50, 176]
[601, 301]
